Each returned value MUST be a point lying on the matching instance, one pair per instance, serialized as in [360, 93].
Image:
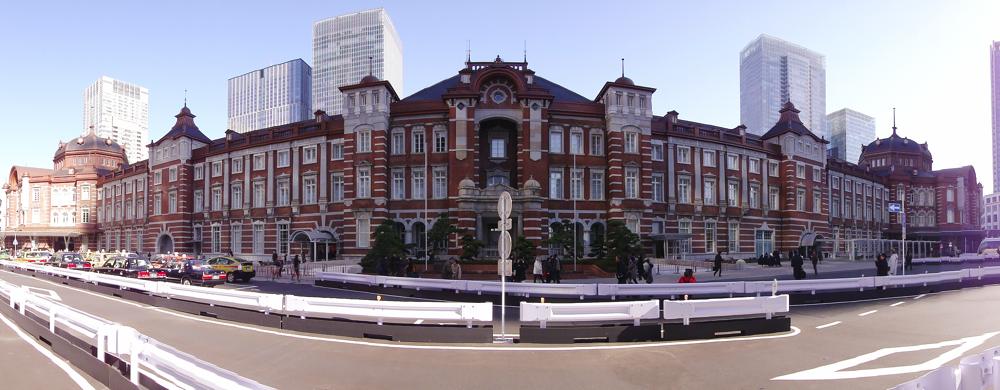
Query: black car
[71, 260]
[131, 267]
[196, 272]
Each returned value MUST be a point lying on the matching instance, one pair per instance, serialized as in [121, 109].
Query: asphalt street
[823, 335]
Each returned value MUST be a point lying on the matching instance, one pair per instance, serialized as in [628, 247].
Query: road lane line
[828, 325]
[75, 376]
[867, 313]
[897, 304]
[418, 322]
[919, 296]
[110, 298]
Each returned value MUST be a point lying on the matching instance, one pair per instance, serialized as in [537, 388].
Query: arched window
[419, 232]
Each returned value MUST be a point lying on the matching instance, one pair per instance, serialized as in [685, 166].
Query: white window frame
[657, 183]
[440, 141]
[337, 187]
[419, 141]
[708, 158]
[632, 183]
[596, 144]
[284, 158]
[398, 183]
[596, 184]
[310, 154]
[310, 193]
[364, 141]
[684, 189]
[631, 140]
[418, 183]
[398, 142]
[556, 140]
[259, 162]
[576, 148]
[236, 165]
[656, 152]
[556, 183]
[439, 186]
[364, 182]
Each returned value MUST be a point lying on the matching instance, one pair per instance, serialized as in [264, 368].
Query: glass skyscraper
[995, 82]
[276, 95]
[773, 71]
[849, 130]
[342, 47]
[118, 110]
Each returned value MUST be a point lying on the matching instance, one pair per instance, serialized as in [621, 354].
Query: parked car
[4, 255]
[235, 268]
[71, 260]
[35, 257]
[196, 272]
[989, 247]
[131, 267]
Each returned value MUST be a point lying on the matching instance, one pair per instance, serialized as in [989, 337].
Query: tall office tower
[995, 81]
[273, 96]
[119, 110]
[773, 71]
[849, 130]
[342, 47]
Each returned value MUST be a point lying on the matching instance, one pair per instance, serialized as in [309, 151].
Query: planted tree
[621, 242]
[470, 247]
[562, 236]
[387, 243]
[523, 250]
[438, 235]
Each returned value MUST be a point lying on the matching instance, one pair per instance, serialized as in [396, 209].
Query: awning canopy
[808, 239]
[314, 236]
[43, 233]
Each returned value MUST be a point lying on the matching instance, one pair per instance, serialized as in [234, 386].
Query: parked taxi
[236, 269]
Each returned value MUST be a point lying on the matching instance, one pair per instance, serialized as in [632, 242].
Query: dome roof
[89, 142]
[896, 144]
[624, 80]
[369, 79]
[465, 183]
[532, 183]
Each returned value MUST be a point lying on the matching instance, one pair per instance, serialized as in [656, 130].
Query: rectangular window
[440, 184]
[398, 184]
[596, 144]
[216, 198]
[596, 185]
[157, 204]
[258, 238]
[216, 168]
[85, 192]
[258, 194]
[309, 190]
[157, 179]
[337, 151]
[283, 238]
[236, 196]
[631, 142]
[284, 194]
[709, 192]
[657, 152]
[835, 182]
[555, 184]
[949, 195]
[555, 141]
[364, 182]
[337, 187]
[754, 196]
[631, 183]
[419, 183]
[817, 201]
[283, 159]
[364, 141]
[800, 171]
[684, 227]
[576, 142]
[398, 144]
[631, 100]
[684, 154]
[800, 199]
[772, 168]
[199, 201]
[309, 155]
[440, 141]
[236, 239]
[733, 194]
[732, 162]
[753, 165]
[657, 182]
[950, 215]
[734, 237]
[773, 198]
[418, 141]
[710, 237]
[258, 162]
[684, 189]
[576, 184]
[140, 210]
[236, 165]
[835, 208]
[709, 158]
[85, 215]
[363, 231]
[498, 148]
[817, 174]
[199, 172]
[216, 239]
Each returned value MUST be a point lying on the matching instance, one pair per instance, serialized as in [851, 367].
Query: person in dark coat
[908, 261]
[647, 266]
[814, 258]
[295, 268]
[881, 265]
[717, 265]
[621, 269]
[777, 258]
[556, 269]
[797, 263]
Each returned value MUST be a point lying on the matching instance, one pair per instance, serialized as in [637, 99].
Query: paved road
[306, 361]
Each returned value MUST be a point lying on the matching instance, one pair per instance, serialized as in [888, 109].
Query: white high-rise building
[342, 47]
[276, 95]
[119, 110]
[849, 130]
[773, 71]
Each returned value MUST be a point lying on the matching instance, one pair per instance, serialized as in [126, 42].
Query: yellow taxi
[40, 257]
[236, 269]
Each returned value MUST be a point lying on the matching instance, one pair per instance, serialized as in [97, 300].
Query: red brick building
[323, 185]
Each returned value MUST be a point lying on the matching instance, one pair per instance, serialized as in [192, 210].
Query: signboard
[505, 245]
[504, 205]
[894, 207]
[505, 268]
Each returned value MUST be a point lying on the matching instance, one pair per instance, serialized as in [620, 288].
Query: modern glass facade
[849, 130]
[118, 110]
[773, 71]
[342, 47]
[273, 96]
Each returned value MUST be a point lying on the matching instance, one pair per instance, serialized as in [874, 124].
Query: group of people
[770, 259]
[279, 265]
[548, 270]
[395, 266]
[888, 265]
[632, 269]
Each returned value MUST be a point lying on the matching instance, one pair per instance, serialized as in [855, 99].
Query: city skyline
[270, 96]
[119, 110]
[774, 71]
[862, 73]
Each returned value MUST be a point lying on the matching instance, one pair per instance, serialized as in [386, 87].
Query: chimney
[320, 116]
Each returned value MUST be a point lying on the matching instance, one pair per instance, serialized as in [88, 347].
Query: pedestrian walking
[556, 273]
[633, 270]
[777, 258]
[797, 263]
[688, 277]
[814, 258]
[536, 270]
[275, 265]
[621, 269]
[296, 261]
[908, 261]
[717, 266]
[881, 265]
[893, 262]
[648, 271]
[456, 269]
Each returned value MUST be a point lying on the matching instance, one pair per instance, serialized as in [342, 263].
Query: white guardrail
[358, 308]
[165, 365]
[583, 290]
[724, 307]
[544, 313]
[976, 372]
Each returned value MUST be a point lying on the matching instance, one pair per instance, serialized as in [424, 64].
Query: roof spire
[894, 121]
[468, 51]
[623, 67]
[525, 51]
[371, 66]
[185, 97]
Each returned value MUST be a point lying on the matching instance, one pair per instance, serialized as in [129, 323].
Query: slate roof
[789, 122]
[435, 91]
[185, 127]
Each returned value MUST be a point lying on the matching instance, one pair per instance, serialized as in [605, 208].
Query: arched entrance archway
[164, 243]
[498, 143]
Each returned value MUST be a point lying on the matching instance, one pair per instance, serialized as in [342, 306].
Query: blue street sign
[895, 207]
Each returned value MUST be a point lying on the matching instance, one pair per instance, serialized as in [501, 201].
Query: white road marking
[75, 376]
[828, 325]
[243, 288]
[836, 370]
[867, 313]
[897, 304]
[102, 296]
[868, 300]
[45, 292]
[919, 296]
[418, 322]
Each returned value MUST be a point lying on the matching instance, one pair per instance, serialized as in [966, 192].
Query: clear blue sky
[927, 58]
